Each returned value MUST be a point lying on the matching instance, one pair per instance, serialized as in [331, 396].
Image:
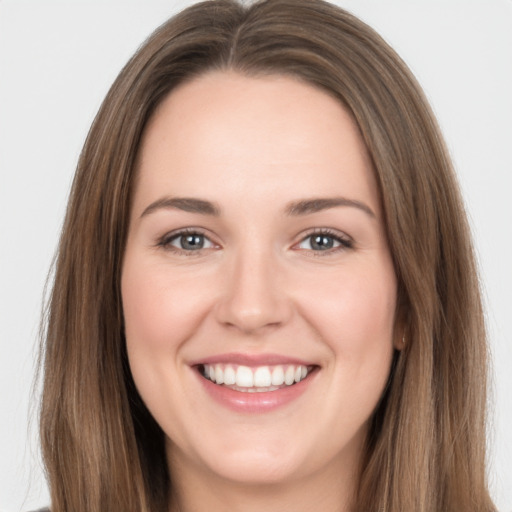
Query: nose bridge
[253, 296]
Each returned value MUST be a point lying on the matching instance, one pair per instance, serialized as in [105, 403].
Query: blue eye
[187, 241]
[324, 241]
[191, 241]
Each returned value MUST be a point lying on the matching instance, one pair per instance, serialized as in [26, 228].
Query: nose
[253, 298]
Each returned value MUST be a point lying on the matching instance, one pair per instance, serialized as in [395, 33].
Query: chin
[258, 469]
[263, 462]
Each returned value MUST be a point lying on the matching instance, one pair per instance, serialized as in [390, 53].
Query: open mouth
[257, 379]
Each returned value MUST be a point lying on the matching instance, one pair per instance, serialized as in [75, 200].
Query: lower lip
[257, 402]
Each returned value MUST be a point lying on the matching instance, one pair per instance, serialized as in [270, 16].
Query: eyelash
[344, 241]
[165, 241]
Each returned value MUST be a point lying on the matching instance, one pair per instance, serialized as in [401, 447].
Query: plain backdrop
[57, 60]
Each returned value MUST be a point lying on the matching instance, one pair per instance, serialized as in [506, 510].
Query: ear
[399, 338]
[400, 331]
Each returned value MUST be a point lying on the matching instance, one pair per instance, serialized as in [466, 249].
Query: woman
[265, 295]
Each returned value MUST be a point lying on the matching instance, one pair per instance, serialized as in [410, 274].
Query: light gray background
[57, 60]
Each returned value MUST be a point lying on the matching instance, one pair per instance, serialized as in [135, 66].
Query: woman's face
[257, 257]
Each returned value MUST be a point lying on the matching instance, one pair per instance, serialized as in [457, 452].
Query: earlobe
[400, 328]
[400, 339]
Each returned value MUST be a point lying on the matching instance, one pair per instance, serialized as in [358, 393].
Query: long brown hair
[425, 451]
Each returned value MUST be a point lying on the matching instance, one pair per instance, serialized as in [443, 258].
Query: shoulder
[44, 509]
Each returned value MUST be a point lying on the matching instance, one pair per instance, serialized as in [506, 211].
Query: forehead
[225, 134]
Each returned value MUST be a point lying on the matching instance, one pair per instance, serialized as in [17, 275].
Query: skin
[258, 286]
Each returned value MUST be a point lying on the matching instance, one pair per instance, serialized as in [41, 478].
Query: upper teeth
[259, 376]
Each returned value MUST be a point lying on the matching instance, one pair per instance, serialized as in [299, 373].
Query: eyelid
[346, 242]
[164, 241]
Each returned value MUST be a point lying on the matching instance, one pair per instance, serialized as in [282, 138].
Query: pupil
[192, 242]
[322, 242]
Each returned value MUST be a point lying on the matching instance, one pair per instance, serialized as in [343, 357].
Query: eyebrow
[308, 206]
[294, 209]
[186, 204]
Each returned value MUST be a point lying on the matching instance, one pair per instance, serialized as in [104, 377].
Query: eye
[187, 241]
[325, 241]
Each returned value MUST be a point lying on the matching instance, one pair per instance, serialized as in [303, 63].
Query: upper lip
[251, 360]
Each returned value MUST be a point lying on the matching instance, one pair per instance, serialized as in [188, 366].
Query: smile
[248, 384]
[255, 379]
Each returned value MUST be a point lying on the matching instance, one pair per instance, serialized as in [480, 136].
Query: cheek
[358, 314]
[356, 304]
[355, 315]
[159, 312]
